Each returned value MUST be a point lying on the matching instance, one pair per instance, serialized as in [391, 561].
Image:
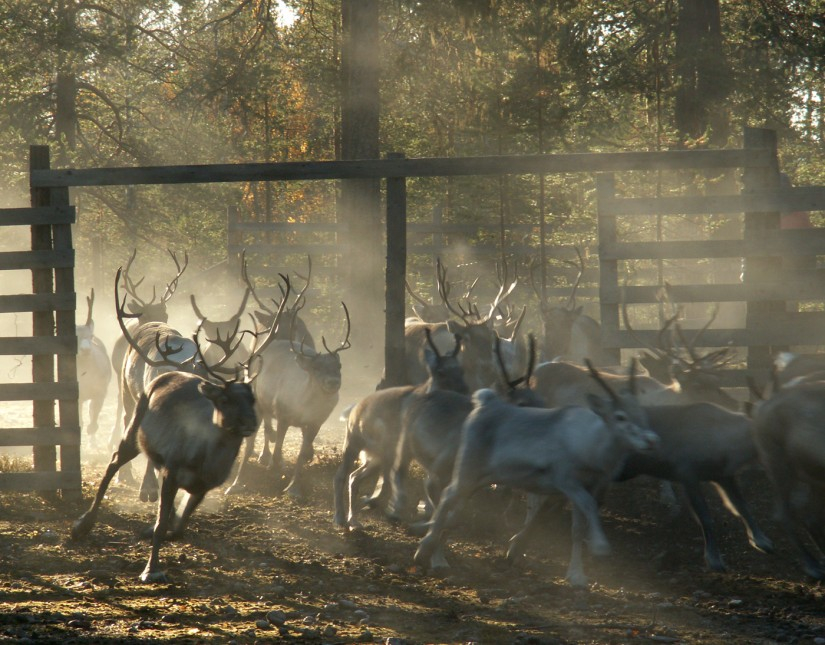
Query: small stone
[365, 636]
[394, 640]
[330, 606]
[819, 640]
[330, 631]
[735, 602]
[309, 620]
[262, 624]
[79, 623]
[276, 617]
[343, 603]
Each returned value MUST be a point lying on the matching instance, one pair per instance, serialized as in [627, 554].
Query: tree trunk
[359, 207]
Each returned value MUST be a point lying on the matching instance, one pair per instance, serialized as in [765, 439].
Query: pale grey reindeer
[292, 326]
[94, 371]
[790, 438]
[299, 387]
[431, 428]
[191, 429]
[140, 311]
[374, 426]
[575, 451]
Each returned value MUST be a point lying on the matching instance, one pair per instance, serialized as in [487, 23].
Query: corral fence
[762, 246]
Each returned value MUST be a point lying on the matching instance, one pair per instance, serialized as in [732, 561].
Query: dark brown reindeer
[94, 369]
[191, 429]
[140, 311]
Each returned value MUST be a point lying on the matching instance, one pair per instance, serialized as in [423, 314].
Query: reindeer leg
[127, 450]
[238, 484]
[701, 512]
[166, 508]
[296, 486]
[515, 550]
[193, 500]
[731, 495]
[343, 507]
[95, 406]
[277, 463]
[265, 458]
[149, 484]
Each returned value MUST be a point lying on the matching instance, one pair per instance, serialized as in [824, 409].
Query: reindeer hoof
[154, 577]
[81, 527]
[148, 495]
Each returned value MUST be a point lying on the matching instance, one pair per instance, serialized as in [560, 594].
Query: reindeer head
[323, 369]
[474, 329]
[446, 372]
[151, 311]
[622, 411]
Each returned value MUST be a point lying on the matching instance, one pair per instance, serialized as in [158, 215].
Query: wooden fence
[52, 308]
[54, 304]
[767, 284]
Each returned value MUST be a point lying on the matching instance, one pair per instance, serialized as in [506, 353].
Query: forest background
[155, 82]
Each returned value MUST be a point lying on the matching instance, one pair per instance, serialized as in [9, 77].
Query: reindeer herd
[482, 404]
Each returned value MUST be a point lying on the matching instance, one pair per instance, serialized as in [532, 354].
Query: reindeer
[573, 450]
[94, 371]
[191, 429]
[293, 323]
[431, 428]
[142, 312]
[153, 348]
[568, 333]
[475, 330]
[374, 425]
[219, 329]
[298, 387]
[790, 439]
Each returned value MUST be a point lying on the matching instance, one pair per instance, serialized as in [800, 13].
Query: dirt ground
[258, 567]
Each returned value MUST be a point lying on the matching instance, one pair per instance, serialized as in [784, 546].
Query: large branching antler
[172, 286]
[165, 350]
[345, 344]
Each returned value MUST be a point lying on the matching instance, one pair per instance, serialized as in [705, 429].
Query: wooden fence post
[608, 269]
[44, 457]
[759, 270]
[394, 351]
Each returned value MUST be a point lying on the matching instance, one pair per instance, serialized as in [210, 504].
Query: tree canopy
[145, 82]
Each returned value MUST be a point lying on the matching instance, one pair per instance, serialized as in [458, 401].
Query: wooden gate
[52, 342]
[770, 285]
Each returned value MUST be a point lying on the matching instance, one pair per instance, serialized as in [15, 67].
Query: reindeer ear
[210, 391]
[133, 307]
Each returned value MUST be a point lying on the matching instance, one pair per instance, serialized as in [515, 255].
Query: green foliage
[149, 82]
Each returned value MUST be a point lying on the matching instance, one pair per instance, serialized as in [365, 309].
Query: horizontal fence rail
[416, 167]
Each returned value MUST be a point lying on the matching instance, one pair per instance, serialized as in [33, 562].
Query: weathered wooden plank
[18, 260]
[779, 243]
[37, 302]
[421, 167]
[37, 216]
[37, 346]
[38, 391]
[799, 332]
[42, 480]
[811, 287]
[63, 436]
[811, 198]
[279, 249]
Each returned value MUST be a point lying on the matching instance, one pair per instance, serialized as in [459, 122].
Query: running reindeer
[191, 429]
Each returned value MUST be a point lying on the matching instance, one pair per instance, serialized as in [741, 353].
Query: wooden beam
[63, 436]
[421, 167]
[37, 302]
[37, 346]
[37, 216]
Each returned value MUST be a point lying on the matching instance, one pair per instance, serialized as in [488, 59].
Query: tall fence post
[608, 269]
[44, 457]
[761, 270]
[394, 351]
